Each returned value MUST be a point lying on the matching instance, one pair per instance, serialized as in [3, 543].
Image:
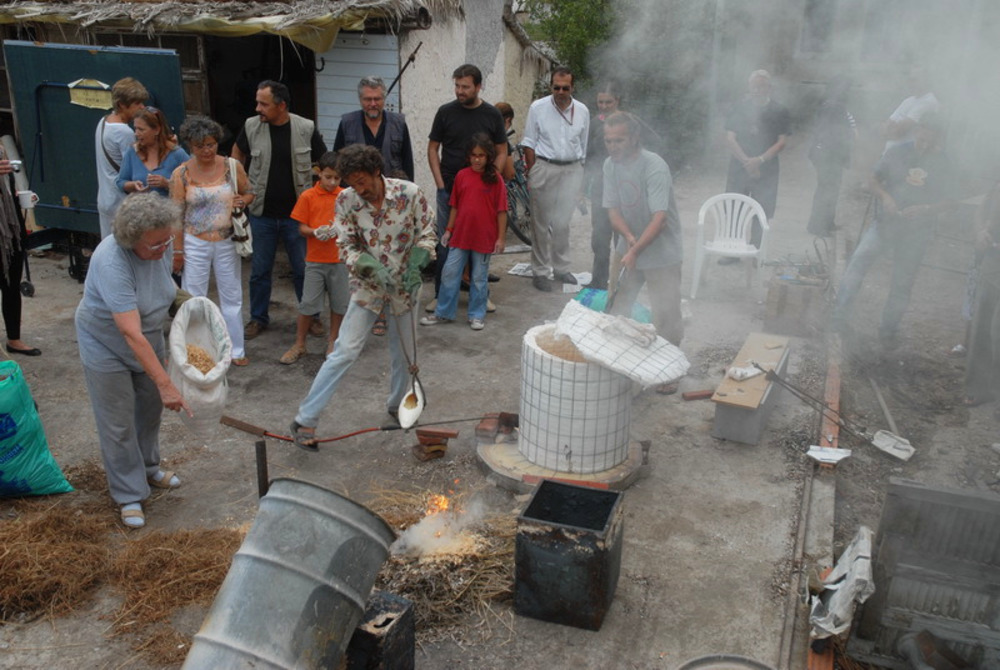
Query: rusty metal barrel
[298, 585]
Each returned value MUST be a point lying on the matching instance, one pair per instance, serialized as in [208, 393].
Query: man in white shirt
[902, 123]
[555, 144]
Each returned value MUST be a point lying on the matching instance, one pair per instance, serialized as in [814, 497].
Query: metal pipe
[263, 481]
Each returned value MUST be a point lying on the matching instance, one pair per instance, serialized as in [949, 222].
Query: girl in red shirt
[477, 227]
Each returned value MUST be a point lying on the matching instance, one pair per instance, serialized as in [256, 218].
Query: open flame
[437, 503]
[443, 531]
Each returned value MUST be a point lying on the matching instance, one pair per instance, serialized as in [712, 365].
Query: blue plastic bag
[597, 299]
[26, 466]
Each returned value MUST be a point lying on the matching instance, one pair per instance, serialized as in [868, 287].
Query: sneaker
[292, 355]
[492, 278]
[316, 328]
[565, 278]
[253, 329]
[490, 307]
[432, 320]
[542, 283]
[431, 306]
[477, 324]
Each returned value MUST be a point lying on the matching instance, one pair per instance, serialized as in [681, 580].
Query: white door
[353, 56]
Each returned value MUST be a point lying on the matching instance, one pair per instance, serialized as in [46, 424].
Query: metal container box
[386, 637]
[568, 554]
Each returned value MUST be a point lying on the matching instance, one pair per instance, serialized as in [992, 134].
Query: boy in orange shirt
[324, 272]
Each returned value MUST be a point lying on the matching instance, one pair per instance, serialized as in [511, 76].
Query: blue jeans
[443, 212]
[451, 283]
[266, 233]
[906, 247]
[354, 332]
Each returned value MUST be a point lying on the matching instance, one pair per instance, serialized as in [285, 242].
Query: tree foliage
[572, 29]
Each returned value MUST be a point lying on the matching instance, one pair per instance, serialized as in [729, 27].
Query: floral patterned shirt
[389, 234]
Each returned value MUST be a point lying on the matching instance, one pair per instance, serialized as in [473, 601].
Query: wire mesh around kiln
[575, 416]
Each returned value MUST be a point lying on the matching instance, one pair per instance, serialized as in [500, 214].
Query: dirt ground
[709, 529]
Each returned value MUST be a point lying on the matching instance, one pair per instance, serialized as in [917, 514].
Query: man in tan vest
[278, 149]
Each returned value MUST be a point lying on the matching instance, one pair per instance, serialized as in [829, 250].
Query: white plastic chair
[733, 215]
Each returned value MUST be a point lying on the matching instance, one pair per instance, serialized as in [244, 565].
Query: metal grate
[937, 568]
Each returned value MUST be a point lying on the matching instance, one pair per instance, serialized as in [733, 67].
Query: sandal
[240, 362]
[380, 325]
[166, 481]
[304, 439]
[292, 355]
[132, 517]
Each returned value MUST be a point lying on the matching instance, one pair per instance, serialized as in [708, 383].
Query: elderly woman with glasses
[119, 327]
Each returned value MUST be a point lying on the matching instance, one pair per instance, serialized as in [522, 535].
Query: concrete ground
[709, 527]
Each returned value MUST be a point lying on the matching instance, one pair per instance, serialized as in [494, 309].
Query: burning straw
[454, 568]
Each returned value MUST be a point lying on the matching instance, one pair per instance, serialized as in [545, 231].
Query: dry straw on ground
[457, 590]
[161, 572]
[55, 551]
[51, 557]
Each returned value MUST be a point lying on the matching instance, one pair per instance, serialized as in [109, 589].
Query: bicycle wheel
[518, 211]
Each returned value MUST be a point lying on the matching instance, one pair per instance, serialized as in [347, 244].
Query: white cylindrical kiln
[575, 415]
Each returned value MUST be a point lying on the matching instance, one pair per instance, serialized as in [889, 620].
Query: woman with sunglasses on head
[155, 155]
[119, 329]
[202, 186]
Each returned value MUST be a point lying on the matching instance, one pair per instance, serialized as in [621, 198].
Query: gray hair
[140, 213]
[763, 74]
[371, 81]
[197, 128]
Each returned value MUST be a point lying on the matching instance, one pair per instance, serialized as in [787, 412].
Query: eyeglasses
[156, 248]
[562, 88]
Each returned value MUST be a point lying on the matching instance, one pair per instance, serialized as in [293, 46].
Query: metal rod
[403, 69]
[261, 432]
[263, 481]
[816, 404]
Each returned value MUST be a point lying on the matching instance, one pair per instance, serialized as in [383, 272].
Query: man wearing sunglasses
[555, 144]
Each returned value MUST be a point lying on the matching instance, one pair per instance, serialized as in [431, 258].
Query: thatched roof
[313, 23]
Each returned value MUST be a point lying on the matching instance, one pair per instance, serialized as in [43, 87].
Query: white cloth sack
[200, 322]
[623, 345]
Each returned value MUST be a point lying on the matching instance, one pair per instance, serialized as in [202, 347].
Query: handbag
[242, 236]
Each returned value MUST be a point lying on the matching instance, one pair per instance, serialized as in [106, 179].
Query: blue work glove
[368, 268]
[419, 257]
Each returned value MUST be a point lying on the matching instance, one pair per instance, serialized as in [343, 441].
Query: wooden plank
[767, 351]
[829, 431]
[823, 661]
